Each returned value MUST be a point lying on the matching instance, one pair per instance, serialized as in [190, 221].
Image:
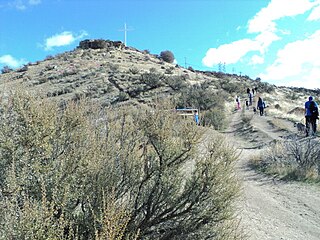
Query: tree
[167, 56]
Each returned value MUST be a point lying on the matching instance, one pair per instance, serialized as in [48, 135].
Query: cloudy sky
[276, 40]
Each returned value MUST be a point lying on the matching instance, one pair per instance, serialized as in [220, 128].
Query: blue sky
[276, 40]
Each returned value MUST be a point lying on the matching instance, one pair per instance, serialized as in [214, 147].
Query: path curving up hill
[269, 208]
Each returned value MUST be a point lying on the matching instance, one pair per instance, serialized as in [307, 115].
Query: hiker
[247, 104]
[250, 98]
[311, 115]
[238, 103]
[261, 106]
[248, 90]
[196, 117]
[253, 91]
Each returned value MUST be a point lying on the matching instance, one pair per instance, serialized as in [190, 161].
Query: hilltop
[111, 73]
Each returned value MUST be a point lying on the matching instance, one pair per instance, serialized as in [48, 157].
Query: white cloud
[62, 39]
[18, 4]
[315, 14]
[233, 52]
[229, 53]
[265, 39]
[300, 58]
[256, 60]
[277, 9]
[11, 61]
[34, 2]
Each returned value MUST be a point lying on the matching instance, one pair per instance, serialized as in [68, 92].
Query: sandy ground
[270, 208]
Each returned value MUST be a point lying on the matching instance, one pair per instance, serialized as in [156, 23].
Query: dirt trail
[269, 208]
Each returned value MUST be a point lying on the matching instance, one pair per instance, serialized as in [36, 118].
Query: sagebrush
[85, 172]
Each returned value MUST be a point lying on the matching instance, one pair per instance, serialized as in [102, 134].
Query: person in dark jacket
[261, 106]
[311, 114]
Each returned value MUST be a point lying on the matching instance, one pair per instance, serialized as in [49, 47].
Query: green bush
[83, 172]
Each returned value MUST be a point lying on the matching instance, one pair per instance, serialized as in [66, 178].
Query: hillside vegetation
[84, 172]
[91, 146]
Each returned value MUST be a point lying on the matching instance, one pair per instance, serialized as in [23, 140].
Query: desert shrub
[292, 96]
[277, 106]
[230, 87]
[201, 97]
[49, 57]
[152, 79]
[167, 56]
[265, 87]
[6, 69]
[169, 70]
[190, 69]
[293, 159]
[83, 172]
[215, 117]
[23, 69]
[122, 96]
[134, 70]
[208, 101]
[113, 67]
[176, 82]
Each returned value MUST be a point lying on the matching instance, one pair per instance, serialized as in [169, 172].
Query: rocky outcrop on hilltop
[99, 44]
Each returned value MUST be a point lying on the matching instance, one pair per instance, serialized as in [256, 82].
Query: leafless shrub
[293, 159]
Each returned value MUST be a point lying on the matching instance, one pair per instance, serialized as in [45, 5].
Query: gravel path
[269, 208]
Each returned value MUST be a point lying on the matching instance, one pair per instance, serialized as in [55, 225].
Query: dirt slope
[269, 208]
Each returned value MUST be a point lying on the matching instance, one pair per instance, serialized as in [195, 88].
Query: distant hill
[110, 73]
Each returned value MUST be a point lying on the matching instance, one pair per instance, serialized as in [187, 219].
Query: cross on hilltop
[125, 29]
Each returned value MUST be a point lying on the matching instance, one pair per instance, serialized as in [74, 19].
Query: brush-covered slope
[111, 73]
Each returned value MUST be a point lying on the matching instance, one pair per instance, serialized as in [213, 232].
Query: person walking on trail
[250, 95]
[238, 103]
[311, 114]
[261, 106]
[196, 117]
